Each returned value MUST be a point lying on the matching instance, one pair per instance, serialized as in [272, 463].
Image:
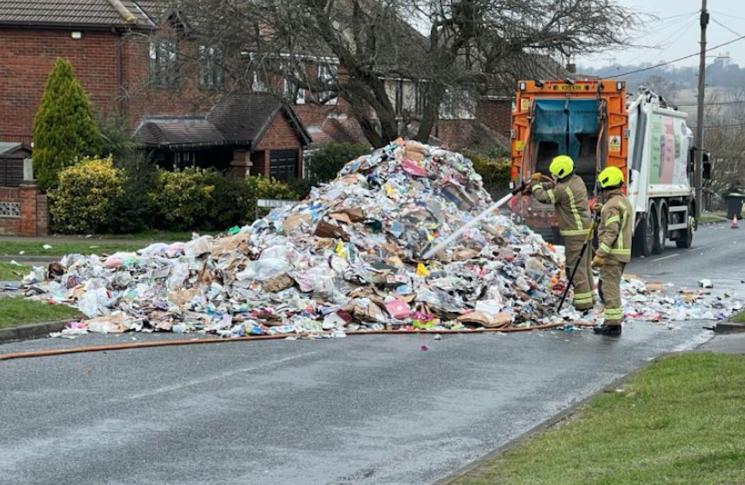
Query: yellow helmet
[610, 178]
[561, 166]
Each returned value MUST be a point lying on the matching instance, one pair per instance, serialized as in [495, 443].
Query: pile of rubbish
[347, 259]
[655, 302]
[350, 259]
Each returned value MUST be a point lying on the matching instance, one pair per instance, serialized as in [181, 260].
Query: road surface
[372, 409]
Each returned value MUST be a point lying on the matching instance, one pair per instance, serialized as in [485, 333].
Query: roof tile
[72, 13]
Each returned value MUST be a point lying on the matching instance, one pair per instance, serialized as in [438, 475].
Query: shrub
[495, 172]
[301, 187]
[85, 199]
[204, 199]
[182, 199]
[133, 211]
[117, 139]
[63, 129]
[231, 201]
[266, 188]
[325, 162]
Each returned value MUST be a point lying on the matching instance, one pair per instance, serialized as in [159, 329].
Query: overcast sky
[676, 33]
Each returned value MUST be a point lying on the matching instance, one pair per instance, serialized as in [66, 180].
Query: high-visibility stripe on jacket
[616, 226]
[569, 197]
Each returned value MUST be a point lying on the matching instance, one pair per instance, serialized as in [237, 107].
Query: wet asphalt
[375, 409]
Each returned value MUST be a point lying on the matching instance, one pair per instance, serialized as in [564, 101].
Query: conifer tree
[64, 130]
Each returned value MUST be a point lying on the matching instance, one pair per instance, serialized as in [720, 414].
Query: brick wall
[142, 98]
[496, 114]
[112, 67]
[33, 219]
[26, 59]
[280, 136]
[10, 225]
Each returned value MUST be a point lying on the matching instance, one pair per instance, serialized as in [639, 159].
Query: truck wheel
[643, 243]
[660, 230]
[687, 241]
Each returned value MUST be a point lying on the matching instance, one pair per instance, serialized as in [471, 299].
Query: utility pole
[698, 170]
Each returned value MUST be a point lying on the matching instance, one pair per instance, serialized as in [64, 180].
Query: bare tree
[447, 45]
[725, 139]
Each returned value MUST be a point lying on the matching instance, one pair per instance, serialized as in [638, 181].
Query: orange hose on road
[178, 343]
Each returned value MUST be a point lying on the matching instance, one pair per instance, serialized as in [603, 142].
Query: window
[327, 76]
[458, 104]
[163, 62]
[292, 92]
[212, 74]
[258, 85]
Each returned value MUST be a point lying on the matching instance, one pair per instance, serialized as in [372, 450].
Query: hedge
[196, 198]
[85, 199]
[96, 197]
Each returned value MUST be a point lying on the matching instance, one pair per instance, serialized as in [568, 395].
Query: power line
[724, 26]
[662, 19]
[712, 103]
[726, 125]
[649, 68]
[726, 14]
[672, 38]
[664, 44]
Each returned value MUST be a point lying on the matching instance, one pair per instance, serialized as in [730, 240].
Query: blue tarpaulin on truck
[561, 121]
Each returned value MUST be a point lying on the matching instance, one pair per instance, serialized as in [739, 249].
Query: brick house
[268, 142]
[126, 54]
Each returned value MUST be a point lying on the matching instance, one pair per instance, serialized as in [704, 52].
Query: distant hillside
[670, 79]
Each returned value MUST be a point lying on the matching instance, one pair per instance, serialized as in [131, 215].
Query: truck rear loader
[596, 124]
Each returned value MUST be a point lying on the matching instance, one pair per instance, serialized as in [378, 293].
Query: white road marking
[666, 257]
[222, 375]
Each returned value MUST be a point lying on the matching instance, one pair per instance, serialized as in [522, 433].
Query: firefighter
[569, 196]
[614, 251]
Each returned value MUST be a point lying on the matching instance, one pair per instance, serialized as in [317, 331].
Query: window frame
[211, 69]
[328, 73]
[163, 62]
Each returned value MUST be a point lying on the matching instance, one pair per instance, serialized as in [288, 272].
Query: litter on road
[348, 259]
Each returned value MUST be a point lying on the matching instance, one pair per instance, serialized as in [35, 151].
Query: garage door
[283, 164]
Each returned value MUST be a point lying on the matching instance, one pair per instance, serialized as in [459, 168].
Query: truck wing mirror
[706, 173]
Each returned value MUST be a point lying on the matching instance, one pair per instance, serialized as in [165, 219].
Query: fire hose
[184, 342]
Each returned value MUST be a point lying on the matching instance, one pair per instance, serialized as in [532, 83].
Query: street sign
[274, 203]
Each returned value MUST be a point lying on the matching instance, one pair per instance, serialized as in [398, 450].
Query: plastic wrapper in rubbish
[94, 302]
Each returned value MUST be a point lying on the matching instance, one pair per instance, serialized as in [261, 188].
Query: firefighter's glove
[536, 177]
[598, 261]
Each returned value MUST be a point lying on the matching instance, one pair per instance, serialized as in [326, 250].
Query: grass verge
[13, 272]
[19, 311]
[159, 236]
[739, 318]
[682, 420]
[99, 244]
[711, 217]
[60, 248]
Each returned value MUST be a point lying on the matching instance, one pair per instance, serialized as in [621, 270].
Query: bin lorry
[598, 125]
